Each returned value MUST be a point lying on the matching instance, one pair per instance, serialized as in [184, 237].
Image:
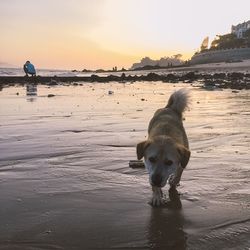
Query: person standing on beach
[29, 69]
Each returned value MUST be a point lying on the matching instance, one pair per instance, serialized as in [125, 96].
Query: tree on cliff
[228, 41]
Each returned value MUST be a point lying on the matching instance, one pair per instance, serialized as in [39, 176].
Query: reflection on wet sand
[165, 227]
[31, 92]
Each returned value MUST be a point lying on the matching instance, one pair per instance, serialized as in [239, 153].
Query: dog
[166, 151]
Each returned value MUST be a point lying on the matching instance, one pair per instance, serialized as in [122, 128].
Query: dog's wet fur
[166, 151]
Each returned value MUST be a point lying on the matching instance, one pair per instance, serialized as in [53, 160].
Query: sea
[42, 72]
[63, 73]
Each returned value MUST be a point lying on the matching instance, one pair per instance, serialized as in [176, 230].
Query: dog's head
[162, 158]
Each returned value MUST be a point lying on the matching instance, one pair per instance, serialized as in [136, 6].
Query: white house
[239, 29]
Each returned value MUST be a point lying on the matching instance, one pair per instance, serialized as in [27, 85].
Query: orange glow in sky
[94, 34]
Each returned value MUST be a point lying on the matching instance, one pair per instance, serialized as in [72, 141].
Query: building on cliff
[240, 28]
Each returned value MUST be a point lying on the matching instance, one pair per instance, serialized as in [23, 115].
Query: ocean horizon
[6, 71]
[64, 73]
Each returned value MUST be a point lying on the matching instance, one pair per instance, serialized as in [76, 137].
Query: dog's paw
[156, 201]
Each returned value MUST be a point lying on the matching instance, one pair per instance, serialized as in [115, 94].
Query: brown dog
[166, 151]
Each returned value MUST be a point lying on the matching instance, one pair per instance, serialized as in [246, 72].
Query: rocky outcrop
[234, 80]
[225, 55]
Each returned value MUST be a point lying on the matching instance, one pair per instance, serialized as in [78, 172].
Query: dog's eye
[168, 162]
[152, 159]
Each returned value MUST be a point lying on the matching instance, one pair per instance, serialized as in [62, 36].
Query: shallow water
[65, 181]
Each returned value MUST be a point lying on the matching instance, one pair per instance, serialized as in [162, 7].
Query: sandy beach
[65, 181]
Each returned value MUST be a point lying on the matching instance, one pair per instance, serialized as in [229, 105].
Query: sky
[94, 34]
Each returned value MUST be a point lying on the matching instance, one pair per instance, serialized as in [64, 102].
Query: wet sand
[65, 182]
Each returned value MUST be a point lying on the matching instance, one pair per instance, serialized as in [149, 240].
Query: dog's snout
[156, 180]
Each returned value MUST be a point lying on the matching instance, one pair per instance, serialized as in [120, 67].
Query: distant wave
[8, 72]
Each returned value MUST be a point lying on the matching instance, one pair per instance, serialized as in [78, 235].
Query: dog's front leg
[157, 197]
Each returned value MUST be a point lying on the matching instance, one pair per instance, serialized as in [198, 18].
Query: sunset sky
[92, 34]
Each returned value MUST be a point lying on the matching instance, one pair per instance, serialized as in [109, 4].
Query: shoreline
[232, 80]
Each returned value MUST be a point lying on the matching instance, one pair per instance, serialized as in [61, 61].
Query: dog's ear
[184, 155]
[140, 149]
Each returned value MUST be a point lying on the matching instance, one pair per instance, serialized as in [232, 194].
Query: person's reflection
[165, 228]
[31, 92]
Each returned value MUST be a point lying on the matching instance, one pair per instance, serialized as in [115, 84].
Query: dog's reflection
[31, 92]
[165, 228]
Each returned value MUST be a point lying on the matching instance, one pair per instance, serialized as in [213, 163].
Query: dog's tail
[179, 101]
